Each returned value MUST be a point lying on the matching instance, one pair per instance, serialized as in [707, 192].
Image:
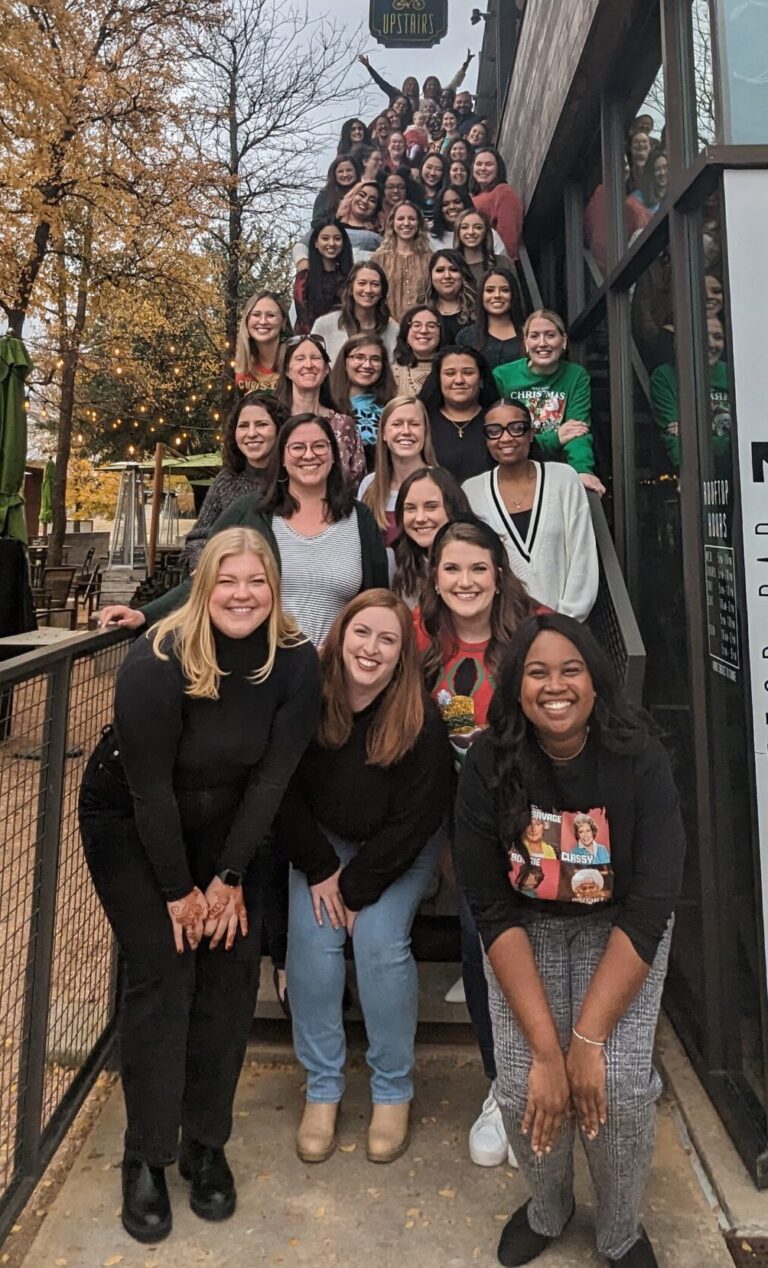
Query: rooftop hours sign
[409, 23]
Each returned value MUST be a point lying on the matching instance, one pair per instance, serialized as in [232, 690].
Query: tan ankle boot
[316, 1137]
[388, 1133]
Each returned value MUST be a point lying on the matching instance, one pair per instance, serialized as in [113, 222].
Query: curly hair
[519, 762]
[231, 457]
[420, 242]
[468, 294]
[404, 354]
[410, 559]
[511, 602]
[489, 255]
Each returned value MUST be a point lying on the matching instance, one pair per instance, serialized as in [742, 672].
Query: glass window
[703, 73]
[647, 167]
[742, 42]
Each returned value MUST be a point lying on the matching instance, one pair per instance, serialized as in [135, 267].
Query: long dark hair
[410, 559]
[432, 154]
[382, 390]
[501, 169]
[432, 393]
[516, 307]
[511, 602]
[439, 225]
[314, 298]
[518, 759]
[345, 139]
[468, 294]
[277, 500]
[404, 354]
[231, 457]
[347, 319]
[284, 389]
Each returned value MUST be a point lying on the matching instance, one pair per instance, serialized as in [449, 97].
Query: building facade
[636, 133]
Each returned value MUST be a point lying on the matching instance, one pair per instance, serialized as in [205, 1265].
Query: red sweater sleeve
[505, 209]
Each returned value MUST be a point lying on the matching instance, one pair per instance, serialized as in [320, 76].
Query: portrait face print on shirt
[570, 852]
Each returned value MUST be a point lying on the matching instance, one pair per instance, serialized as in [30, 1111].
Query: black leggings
[184, 1020]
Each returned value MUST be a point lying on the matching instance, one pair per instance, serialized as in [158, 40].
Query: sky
[395, 63]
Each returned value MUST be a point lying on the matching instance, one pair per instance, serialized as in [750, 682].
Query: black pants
[184, 1019]
[475, 986]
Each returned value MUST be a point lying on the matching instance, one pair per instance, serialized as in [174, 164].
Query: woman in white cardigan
[541, 512]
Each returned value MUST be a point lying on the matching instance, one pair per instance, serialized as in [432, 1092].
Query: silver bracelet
[593, 1043]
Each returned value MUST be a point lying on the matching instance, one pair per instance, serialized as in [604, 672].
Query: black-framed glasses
[295, 340]
[495, 431]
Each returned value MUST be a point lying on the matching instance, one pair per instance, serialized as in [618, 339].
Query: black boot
[146, 1212]
[519, 1243]
[638, 1256]
[213, 1194]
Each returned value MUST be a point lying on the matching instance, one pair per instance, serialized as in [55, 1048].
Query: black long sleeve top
[636, 803]
[391, 811]
[190, 763]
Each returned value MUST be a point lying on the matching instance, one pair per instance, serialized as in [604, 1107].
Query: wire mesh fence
[57, 961]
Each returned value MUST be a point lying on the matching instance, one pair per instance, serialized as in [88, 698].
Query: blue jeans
[387, 982]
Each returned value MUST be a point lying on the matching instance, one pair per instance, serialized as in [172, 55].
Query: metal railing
[57, 958]
[612, 619]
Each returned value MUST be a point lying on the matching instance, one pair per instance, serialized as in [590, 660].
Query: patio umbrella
[15, 365]
[46, 493]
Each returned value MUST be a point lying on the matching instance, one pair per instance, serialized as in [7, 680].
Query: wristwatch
[230, 877]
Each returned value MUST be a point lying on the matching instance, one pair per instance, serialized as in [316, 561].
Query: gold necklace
[571, 757]
[459, 426]
[516, 505]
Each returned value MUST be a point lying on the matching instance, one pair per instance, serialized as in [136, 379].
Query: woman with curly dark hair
[418, 340]
[458, 391]
[451, 290]
[249, 437]
[353, 132]
[577, 963]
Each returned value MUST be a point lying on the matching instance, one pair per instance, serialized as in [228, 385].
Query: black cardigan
[244, 511]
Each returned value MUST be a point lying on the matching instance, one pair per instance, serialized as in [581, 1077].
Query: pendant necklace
[459, 426]
[517, 503]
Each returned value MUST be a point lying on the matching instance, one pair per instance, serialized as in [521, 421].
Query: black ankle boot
[146, 1212]
[638, 1256]
[520, 1244]
[213, 1194]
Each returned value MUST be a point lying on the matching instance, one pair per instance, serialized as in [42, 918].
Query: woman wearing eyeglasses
[418, 341]
[327, 545]
[361, 384]
[541, 512]
[303, 388]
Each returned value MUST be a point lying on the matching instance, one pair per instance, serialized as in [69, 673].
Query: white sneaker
[511, 1159]
[488, 1144]
[456, 994]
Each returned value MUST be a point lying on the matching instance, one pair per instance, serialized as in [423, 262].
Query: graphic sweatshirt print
[553, 399]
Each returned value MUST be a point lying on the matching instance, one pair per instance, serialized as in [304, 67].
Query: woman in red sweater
[491, 194]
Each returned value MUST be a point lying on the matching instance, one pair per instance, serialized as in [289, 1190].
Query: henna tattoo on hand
[188, 911]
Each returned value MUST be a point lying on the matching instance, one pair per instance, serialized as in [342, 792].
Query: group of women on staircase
[379, 676]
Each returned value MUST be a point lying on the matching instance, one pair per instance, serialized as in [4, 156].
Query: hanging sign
[409, 23]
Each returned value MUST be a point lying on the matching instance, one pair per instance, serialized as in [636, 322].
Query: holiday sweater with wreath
[553, 399]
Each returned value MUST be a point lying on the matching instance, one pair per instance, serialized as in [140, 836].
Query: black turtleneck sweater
[391, 811]
[206, 769]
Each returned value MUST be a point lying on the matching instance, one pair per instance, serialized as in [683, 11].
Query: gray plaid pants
[567, 952]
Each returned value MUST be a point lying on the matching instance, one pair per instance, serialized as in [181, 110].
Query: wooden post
[154, 518]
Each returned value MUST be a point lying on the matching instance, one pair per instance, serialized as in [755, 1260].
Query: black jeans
[184, 1019]
[475, 985]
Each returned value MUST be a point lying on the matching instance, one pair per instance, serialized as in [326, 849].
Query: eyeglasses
[360, 359]
[425, 327]
[295, 340]
[297, 449]
[494, 431]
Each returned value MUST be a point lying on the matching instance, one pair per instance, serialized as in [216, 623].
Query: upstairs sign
[409, 23]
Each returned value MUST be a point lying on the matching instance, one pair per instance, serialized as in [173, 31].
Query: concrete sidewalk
[430, 1209]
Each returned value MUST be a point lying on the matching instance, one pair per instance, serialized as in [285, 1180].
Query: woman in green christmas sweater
[557, 393]
[666, 409]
